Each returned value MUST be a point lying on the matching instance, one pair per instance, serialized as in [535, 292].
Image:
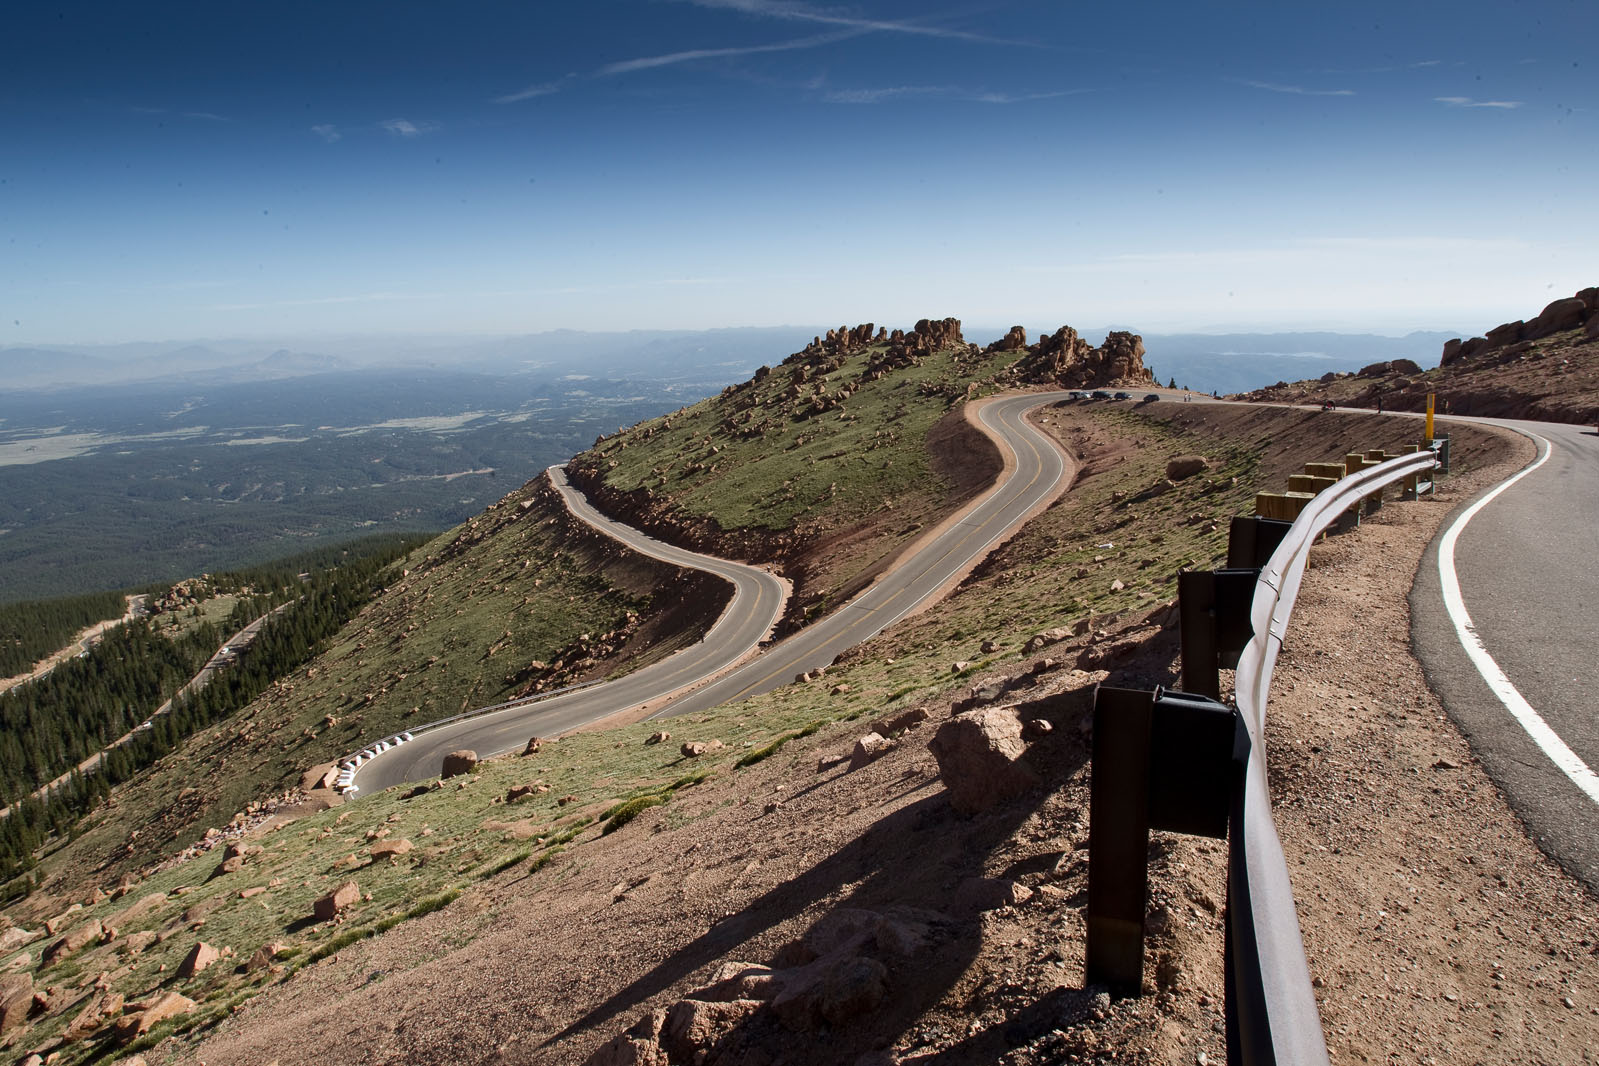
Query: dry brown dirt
[1436, 930]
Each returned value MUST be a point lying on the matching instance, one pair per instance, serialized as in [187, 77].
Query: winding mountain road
[1505, 619]
[1035, 473]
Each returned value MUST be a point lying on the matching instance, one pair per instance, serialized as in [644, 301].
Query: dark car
[1100, 394]
[1151, 397]
[1123, 396]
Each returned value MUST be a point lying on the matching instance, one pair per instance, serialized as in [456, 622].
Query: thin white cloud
[1296, 90]
[1418, 65]
[1022, 98]
[206, 115]
[874, 96]
[795, 11]
[1466, 101]
[327, 131]
[673, 58]
[896, 92]
[402, 127]
[543, 89]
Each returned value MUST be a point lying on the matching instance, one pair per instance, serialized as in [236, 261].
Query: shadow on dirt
[915, 861]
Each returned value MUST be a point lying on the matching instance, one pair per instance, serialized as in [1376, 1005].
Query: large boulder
[868, 749]
[980, 758]
[638, 1046]
[1507, 333]
[1186, 466]
[14, 937]
[336, 902]
[75, 940]
[1014, 340]
[100, 1010]
[198, 959]
[136, 1024]
[694, 1026]
[833, 990]
[1557, 318]
[389, 850]
[459, 762]
[16, 998]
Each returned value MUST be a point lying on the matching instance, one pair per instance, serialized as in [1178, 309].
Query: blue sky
[188, 170]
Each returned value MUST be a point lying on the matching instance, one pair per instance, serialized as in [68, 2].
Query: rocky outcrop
[1565, 314]
[1067, 360]
[1545, 368]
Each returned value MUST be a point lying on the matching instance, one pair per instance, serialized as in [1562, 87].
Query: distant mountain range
[1229, 362]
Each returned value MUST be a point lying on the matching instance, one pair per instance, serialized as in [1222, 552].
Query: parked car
[1151, 397]
[1100, 394]
[1123, 396]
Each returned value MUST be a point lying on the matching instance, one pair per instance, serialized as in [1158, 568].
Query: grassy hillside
[516, 600]
[828, 464]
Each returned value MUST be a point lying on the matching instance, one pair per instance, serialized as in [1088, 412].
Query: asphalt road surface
[1528, 577]
[757, 603]
[1039, 473]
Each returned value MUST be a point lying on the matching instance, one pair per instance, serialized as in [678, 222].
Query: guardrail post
[1251, 539]
[1161, 760]
[1213, 624]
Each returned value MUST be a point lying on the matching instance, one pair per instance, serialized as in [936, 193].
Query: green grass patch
[544, 859]
[623, 813]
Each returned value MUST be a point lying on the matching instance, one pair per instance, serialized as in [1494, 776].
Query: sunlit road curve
[757, 603]
[1037, 473]
[1040, 474]
[1528, 585]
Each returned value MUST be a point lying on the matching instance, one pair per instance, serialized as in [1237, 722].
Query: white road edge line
[1530, 720]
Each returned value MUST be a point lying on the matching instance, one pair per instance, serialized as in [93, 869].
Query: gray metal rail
[1272, 1016]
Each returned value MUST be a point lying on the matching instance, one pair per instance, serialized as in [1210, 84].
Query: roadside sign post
[1427, 440]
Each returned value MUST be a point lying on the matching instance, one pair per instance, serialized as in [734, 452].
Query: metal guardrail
[1184, 762]
[1275, 1016]
[350, 764]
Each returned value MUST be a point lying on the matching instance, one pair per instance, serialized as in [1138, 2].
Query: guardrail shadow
[914, 858]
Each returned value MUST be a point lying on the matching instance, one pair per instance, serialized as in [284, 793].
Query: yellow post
[1431, 396]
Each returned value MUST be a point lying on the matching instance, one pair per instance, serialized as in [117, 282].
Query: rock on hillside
[1546, 368]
